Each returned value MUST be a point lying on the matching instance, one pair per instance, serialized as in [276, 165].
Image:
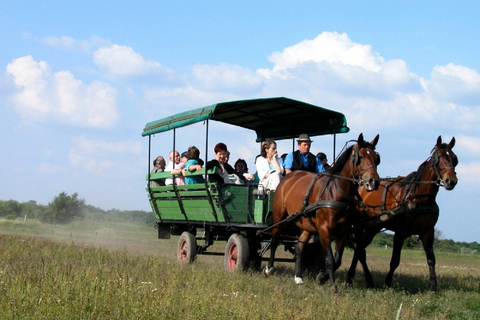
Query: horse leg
[273, 247]
[353, 266]
[329, 261]
[427, 241]
[330, 265]
[303, 239]
[395, 261]
[363, 238]
[362, 257]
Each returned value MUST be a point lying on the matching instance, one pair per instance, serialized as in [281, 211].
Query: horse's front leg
[427, 241]
[302, 240]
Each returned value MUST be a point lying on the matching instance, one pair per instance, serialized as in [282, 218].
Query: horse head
[365, 161]
[444, 163]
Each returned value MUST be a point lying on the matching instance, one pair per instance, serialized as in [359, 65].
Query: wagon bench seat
[202, 202]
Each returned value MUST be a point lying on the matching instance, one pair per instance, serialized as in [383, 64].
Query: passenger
[242, 171]
[174, 158]
[178, 172]
[323, 159]
[303, 159]
[192, 165]
[158, 166]
[269, 166]
[227, 173]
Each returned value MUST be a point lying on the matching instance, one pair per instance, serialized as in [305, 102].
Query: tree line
[65, 208]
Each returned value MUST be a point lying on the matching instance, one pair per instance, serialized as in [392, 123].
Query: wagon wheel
[187, 248]
[237, 255]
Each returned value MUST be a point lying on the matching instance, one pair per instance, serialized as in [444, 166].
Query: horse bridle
[436, 161]
[355, 160]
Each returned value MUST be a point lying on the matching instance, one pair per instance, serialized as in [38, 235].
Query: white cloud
[102, 157]
[329, 48]
[467, 145]
[227, 77]
[122, 60]
[468, 172]
[456, 84]
[31, 76]
[72, 44]
[59, 96]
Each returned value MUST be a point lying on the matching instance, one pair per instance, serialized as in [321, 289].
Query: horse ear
[451, 143]
[375, 140]
[360, 139]
[439, 141]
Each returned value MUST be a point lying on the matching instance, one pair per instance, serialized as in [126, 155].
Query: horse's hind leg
[353, 266]
[362, 257]
[303, 239]
[279, 213]
[427, 241]
[329, 264]
[395, 261]
[360, 254]
[273, 247]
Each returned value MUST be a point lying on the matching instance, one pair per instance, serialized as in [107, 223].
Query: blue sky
[80, 79]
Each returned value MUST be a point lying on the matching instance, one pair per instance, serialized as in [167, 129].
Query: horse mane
[341, 161]
[345, 155]
[416, 175]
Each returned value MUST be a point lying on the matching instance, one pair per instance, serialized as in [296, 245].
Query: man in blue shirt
[303, 159]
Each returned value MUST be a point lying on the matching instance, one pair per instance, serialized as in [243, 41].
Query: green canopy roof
[271, 118]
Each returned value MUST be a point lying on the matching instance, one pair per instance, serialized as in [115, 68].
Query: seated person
[242, 171]
[303, 159]
[220, 161]
[192, 165]
[269, 166]
[174, 157]
[323, 158]
[178, 171]
[158, 166]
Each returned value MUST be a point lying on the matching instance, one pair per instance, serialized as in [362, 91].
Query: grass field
[121, 271]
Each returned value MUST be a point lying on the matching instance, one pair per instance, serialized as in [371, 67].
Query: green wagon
[233, 213]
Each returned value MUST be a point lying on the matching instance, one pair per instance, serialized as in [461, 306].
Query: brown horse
[324, 203]
[407, 206]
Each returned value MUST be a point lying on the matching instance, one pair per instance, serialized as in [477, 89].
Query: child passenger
[192, 165]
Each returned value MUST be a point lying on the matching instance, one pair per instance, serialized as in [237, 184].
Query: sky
[80, 79]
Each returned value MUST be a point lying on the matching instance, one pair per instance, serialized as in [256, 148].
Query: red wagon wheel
[187, 248]
[237, 255]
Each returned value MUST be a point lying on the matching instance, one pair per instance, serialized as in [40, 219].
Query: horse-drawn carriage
[234, 213]
[303, 204]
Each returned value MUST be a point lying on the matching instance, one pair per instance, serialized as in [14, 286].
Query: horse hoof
[267, 271]
[333, 289]
[298, 280]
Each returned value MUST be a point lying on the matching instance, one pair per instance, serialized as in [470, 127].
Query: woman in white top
[269, 166]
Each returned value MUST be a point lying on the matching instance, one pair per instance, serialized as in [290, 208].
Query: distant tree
[438, 235]
[64, 208]
[10, 208]
[383, 239]
[411, 242]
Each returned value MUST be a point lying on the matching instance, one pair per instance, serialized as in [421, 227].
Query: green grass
[93, 271]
